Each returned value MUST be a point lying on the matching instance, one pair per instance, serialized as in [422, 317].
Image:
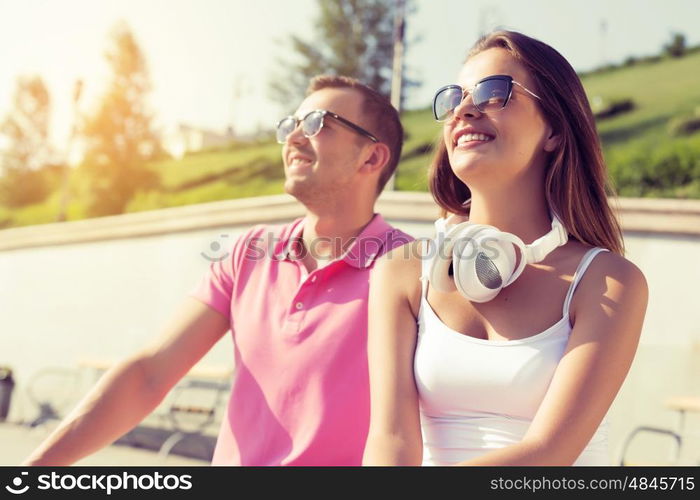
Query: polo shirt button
[313, 279]
[299, 305]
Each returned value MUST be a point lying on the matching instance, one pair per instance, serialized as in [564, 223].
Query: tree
[676, 47]
[119, 140]
[351, 38]
[27, 131]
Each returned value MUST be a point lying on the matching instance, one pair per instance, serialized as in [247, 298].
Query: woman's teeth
[473, 137]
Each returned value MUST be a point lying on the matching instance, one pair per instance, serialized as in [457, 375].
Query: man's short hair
[382, 116]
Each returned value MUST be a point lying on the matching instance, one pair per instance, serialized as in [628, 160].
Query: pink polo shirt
[300, 389]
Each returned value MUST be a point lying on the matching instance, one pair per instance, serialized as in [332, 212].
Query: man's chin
[299, 190]
[308, 193]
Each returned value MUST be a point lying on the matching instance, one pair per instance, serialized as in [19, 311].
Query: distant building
[186, 139]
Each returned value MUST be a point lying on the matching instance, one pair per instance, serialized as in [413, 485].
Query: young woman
[500, 356]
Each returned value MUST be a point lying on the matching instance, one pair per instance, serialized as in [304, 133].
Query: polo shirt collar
[368, 244]
[292, 241]
[362, 252]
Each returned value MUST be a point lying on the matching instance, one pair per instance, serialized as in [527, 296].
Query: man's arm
[133, 388]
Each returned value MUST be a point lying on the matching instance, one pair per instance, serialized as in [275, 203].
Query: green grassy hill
[643, 158]
[660, 91]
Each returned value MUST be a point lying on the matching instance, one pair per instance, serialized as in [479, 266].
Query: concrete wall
[102, 288]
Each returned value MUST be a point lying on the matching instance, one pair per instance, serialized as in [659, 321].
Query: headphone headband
[542, 246]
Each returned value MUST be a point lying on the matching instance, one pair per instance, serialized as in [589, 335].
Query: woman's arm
[394, 433]
[607, 313]
[132, 389]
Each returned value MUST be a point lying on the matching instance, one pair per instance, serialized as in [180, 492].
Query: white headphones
[483, 258]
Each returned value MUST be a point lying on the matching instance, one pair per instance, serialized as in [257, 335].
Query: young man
[294, 297]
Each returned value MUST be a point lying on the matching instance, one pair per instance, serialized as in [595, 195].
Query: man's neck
[328, 236]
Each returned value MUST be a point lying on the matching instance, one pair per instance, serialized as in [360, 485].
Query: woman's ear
[552, 142]
[377, 159]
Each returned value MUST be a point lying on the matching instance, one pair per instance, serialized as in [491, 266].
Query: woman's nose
[466, 108]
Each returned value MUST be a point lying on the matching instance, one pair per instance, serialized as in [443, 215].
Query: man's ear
[377, 158]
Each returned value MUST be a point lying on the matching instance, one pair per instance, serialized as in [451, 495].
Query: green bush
[614, 107]
[5, 218]
[22, 187]
[671, 169]
[109, 187]
[684, 125]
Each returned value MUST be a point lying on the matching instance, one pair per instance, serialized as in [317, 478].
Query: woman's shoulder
[611, 282]
[606, 262]
[400, 269]
[613, 265]
[406, 256]
[404, 259]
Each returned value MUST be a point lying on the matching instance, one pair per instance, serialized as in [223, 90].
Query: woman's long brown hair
[577, 185]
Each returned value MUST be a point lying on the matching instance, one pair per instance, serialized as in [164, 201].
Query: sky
[210, 61]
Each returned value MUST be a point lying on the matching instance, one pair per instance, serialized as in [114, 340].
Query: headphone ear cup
[484, 259]
[439, 276]
[485, 268]
[446, 242]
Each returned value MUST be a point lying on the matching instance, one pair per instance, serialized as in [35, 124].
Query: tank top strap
[580, 271]
[425, 268]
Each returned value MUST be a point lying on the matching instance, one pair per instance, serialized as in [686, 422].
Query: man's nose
[297, 136]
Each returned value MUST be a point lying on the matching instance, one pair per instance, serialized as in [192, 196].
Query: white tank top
[477, 395]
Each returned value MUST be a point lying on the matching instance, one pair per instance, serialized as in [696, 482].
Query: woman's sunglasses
[490, 94]
[312, 123]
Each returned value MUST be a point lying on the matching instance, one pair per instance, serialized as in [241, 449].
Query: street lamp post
[397, 70]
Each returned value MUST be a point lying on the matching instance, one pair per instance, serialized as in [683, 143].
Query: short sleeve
[215, 287]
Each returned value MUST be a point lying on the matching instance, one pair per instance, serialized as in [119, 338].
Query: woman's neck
[521, 210]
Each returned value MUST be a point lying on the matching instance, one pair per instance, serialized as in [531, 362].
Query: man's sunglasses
[490, 94]
[312, 123]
